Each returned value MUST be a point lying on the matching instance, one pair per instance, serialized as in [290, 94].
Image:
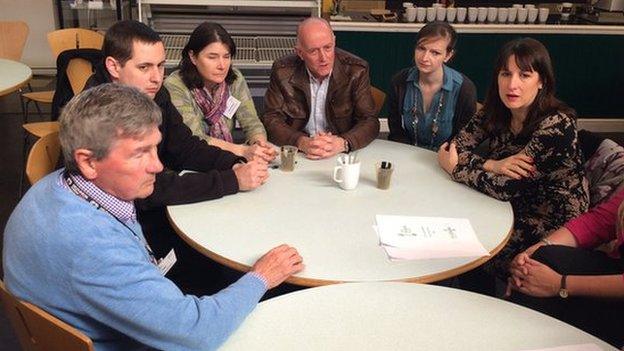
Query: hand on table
[261, 150]
[321, 146]
[278, 265]
[251, 175]
[516, 166]
[448, 157]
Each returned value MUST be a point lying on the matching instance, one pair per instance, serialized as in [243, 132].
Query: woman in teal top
[208, 92]
[430, 102]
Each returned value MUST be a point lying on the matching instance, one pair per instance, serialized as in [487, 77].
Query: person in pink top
[565, 276]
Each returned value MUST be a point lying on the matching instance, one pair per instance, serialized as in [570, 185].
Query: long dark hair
[530, 55]
[204, 35]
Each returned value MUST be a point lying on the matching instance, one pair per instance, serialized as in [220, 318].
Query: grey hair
[96, 118]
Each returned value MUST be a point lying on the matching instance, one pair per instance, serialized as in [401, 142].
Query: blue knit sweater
[84, 267]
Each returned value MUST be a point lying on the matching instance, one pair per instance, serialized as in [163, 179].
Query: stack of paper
[412, 238]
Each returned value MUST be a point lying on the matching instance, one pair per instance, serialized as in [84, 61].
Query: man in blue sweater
[73, 245]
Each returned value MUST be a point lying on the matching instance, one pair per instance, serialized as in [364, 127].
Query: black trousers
[601, 317]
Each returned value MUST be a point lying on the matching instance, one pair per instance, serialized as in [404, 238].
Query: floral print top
[542, 203]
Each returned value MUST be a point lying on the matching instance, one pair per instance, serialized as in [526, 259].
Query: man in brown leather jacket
[319, 99]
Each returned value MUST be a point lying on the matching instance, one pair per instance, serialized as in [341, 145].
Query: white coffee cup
[517, 6]
[492, 14]
[543, 14]
[346, 174]
[483, 12]
[408, 4]
[437, 4]
[431, 14]
[503, 13]
[532, 16]
[513, 13]
[421, 14]
[529, 6]
[440, 13]
[472, 14]
[522, 15]
[461, 14]
[410, 14]
[451, 13]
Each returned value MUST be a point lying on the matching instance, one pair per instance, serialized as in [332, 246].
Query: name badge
[165, 263]
[231, 107]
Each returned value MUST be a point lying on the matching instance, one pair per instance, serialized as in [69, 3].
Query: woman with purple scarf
[209, 93]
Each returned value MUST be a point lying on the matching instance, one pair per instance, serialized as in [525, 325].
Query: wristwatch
[347, 146]
[563, 292]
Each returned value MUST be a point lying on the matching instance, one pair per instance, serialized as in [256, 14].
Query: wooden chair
[38, 330]
[78, 70]
[43, 157]
[13, 35]
[379, 97]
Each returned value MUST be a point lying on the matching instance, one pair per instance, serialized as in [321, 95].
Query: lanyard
[73, 186]
[434, 123]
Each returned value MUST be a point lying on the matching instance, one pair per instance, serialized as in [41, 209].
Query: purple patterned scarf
[213, 107]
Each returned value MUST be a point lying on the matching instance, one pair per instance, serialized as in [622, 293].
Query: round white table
[13, 75]
[399, 316]
[333, 228]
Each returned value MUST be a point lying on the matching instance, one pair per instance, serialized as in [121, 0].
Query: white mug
[437, 4]
[451, 13]
[410, 13]
[529, 6]
[431, 14]
[492, 14]
[408, 4]
[421, 14]
[513, 13]
[461, 14]
[543, 14]
[533, 12]
[517, 6]
[472, 14]
[347, 175]
[440, 13]
[503, 13]
[522, 15]
[482, 16]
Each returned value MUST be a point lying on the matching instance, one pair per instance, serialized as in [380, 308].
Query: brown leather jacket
[349, 110]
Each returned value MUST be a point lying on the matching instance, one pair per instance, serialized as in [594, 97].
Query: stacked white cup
[473, 14]
[461, 14]
[532, 15]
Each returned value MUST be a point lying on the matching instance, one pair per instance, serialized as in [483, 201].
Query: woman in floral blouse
[533, 161]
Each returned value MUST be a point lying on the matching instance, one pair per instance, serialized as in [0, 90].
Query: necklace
[416, 115]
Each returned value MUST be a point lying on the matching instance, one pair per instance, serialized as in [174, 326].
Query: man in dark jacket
[135, 55]
[319, 99]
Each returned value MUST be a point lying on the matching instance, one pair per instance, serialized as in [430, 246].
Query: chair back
[78, 70]
[43, 157]
[13, 35]
[38, 330]
[379, 97]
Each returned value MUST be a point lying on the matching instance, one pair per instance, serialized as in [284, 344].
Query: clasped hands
[322, 145]
[532, 277]
[516, 166]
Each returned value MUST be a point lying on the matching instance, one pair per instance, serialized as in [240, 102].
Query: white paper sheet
[411, 238]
